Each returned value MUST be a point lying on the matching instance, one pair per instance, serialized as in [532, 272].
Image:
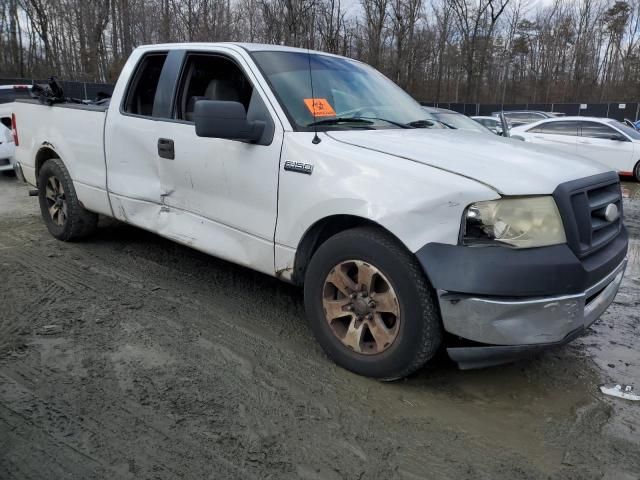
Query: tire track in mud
[101, 442]
[169, 358]
[239, 352]
[52, 267]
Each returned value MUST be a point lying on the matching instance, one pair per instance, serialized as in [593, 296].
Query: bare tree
[442, 50]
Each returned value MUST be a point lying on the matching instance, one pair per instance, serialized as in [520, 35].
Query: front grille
[582, 205]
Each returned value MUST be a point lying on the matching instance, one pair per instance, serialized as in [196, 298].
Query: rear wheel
[65, 218]
[370, 306]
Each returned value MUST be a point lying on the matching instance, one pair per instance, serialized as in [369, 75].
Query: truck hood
[511, 167]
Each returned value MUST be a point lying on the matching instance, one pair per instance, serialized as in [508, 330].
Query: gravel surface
[129, 356]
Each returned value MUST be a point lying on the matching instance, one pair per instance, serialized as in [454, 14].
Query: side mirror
[617, 137]
[217, 119]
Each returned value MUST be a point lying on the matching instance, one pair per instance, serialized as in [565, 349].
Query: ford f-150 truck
[316, 169]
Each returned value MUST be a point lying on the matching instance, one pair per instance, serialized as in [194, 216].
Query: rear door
[561, 135]
[604, 144]
[131, 134]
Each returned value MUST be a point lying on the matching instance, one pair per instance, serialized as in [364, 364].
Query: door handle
[165, 149]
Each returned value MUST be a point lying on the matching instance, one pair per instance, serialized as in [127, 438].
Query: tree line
[490, 51]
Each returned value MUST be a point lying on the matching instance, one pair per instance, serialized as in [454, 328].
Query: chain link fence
[618, 110]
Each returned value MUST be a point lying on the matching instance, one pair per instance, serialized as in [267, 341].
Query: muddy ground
[128, 356]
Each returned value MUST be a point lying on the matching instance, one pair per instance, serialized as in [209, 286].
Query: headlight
[517, 222]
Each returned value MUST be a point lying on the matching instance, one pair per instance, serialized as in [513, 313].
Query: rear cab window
[141, 92]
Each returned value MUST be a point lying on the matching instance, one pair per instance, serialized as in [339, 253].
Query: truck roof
[251, 47]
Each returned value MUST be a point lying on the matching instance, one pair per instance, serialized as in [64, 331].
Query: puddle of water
[512, 406]
[631, 190]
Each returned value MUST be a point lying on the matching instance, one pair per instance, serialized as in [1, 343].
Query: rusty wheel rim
[361, 307]
[56, 201]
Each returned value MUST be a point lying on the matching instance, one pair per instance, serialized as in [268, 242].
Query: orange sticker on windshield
[319, 107]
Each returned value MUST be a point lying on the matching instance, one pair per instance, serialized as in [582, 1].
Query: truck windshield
[346, 94]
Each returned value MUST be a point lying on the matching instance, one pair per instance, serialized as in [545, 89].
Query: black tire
[76, 222]
[420, 330]
[9, 173]
[636, 172]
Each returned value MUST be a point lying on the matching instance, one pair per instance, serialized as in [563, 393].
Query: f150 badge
[298, 167]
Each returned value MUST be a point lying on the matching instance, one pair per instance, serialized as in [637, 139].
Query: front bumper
[505, 304]
[516, 327]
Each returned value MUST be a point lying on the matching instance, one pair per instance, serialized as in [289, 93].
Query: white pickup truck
[407, 236]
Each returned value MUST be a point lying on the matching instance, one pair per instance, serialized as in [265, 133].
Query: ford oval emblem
[611, 212]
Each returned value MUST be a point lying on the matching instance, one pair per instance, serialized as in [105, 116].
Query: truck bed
[75, 106]
[74, 132]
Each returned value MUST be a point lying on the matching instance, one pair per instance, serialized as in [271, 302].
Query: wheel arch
[44, 153]
[321, 231]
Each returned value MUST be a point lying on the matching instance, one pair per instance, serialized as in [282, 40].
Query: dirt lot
[128, 356]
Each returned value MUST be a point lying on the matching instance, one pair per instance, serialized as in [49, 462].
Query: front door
[604, 144]
[221, 194]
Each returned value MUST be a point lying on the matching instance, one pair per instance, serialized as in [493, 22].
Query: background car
[605, 140]
[9, 93]
[492, 123]
[7, 147]
[455, 120]
[526, 116]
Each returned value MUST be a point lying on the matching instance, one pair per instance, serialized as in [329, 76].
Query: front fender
[416, 203]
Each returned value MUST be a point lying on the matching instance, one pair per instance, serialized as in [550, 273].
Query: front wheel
[370, 305]
[65, 217]
[636, 172]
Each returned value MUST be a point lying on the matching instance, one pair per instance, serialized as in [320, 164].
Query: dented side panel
[417, 203]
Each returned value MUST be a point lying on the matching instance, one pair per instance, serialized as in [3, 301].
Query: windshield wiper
[447, 125]
[423, 123]
[361, 120]
[337, 120]
[392, 122]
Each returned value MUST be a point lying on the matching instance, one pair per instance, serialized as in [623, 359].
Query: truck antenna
[316, 139]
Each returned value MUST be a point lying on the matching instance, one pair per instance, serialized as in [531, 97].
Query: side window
[568, 128]
[210, 77]
[142, 90]
[215, 77]
[597, 130]
[525, 117]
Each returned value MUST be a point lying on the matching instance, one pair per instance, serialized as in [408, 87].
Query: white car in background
[492, 123]
[7, 147]
[605, 140]
[8, 95]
